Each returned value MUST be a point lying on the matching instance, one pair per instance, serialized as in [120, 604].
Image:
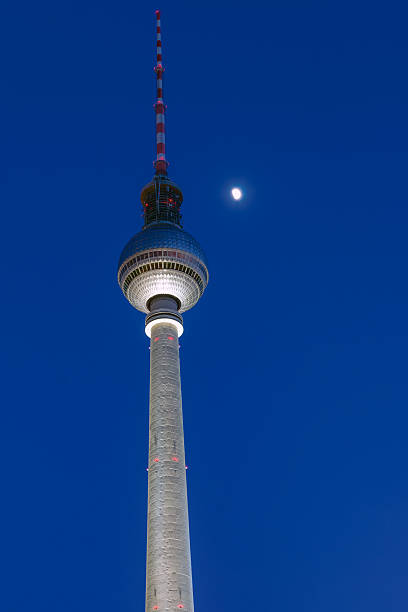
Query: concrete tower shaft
[168, 575]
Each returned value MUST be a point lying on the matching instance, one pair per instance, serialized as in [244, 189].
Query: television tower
[162, 272]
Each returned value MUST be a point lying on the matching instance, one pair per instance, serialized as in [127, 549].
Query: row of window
[163, 265]
[151, 254]
[163, 203]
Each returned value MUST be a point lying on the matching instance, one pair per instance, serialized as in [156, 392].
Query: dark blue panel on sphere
[162, 235]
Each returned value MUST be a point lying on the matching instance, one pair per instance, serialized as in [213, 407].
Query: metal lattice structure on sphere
[163, 272]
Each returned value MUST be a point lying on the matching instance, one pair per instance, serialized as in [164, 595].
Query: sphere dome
[162, 259]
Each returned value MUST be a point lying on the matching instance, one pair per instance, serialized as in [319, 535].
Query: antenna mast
[160, 163]
[161, 198]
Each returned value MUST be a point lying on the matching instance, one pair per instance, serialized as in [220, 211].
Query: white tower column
[168, 575]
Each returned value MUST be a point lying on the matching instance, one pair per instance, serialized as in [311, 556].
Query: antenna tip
[157, 13]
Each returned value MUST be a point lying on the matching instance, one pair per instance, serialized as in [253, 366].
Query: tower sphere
[162, 259]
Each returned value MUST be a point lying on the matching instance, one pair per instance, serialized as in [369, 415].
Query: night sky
[294, 362]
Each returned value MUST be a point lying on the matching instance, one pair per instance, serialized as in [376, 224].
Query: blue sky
[294, 361]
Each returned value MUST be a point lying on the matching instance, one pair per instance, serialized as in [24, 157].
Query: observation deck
[162, 259]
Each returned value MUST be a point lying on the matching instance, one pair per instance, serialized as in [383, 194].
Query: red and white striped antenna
[161, 198]
[160, 163]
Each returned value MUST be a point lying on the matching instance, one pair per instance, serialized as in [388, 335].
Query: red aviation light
[156, 339]
[156, 460]
[155, 607]
[170, 338]
[180, 606]
[174, 459]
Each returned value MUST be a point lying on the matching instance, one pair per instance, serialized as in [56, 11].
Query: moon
[236, 193]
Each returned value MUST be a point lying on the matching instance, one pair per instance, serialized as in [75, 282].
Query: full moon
[236, 193]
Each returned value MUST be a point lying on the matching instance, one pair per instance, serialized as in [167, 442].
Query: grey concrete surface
[168, 575]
